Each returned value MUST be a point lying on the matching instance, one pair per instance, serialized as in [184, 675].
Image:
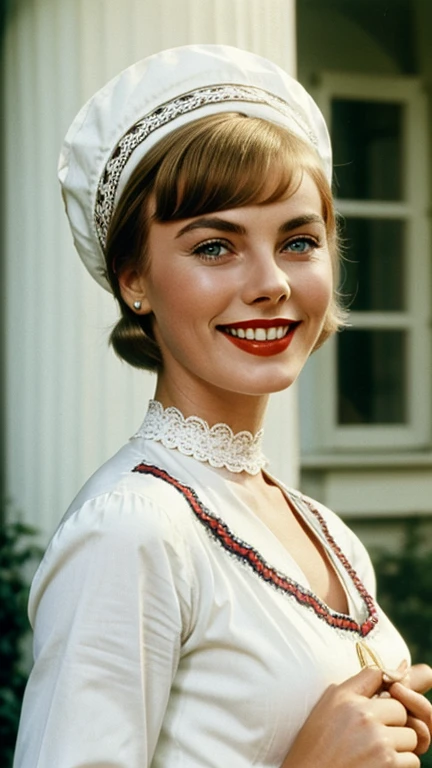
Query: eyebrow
[222, 225]
[213, 223]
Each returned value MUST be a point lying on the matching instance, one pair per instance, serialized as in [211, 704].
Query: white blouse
[173, 630]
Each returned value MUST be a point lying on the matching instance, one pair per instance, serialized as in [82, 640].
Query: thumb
[365, 683]
[420, 678]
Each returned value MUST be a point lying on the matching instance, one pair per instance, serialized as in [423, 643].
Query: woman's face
[239, 297]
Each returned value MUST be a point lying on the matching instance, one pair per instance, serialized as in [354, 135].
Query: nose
[266, 281]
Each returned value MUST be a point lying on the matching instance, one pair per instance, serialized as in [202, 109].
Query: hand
[417, 681]
[351, 727]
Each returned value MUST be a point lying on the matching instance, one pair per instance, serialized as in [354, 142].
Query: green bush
[17, 554]
[404, 581]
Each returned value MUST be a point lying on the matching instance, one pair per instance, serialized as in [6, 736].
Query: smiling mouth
[263, 340]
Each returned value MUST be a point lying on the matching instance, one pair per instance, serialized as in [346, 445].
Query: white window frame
[321, 431]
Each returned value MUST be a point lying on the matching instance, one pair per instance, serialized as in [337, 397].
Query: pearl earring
[137, 305]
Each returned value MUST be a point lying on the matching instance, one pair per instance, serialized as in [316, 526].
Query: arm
[109, 605]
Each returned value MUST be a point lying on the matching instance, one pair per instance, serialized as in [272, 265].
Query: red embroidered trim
[249, 555]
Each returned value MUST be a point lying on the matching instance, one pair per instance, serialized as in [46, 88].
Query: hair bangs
[240, 161]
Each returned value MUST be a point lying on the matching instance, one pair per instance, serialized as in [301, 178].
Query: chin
[259, 386]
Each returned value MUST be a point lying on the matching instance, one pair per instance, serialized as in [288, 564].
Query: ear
[133, 289]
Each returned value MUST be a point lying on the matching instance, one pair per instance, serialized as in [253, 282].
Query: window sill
[370, 460]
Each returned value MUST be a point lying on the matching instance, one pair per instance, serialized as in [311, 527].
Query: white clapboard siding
[69, 402]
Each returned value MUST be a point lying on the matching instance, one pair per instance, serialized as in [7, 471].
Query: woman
[191, 610]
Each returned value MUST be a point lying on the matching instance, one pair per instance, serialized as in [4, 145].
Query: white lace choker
[192, 436]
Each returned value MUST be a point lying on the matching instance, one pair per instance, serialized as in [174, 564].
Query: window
[369, 387]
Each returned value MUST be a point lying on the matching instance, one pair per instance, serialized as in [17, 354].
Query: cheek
[317, 290]
[180, 311]
[188, 296]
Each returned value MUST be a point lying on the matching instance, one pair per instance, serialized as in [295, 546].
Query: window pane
[373, 276]
[367, 142]
[371, 377]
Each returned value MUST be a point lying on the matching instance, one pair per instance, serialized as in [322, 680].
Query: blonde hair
[222, 161]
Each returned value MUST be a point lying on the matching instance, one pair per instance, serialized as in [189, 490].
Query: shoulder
[135, 508]
[128, 492]
[123, 521]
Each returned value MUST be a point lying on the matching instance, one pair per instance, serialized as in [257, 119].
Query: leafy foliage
[405, 593]
[17, 551]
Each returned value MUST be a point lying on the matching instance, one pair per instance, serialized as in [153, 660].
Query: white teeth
[259, 334]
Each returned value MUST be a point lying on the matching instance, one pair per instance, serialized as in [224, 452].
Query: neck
[240, 412]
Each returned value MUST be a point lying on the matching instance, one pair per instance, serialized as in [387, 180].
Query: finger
[383, 695]
[407, 760]
[416, 704]
[396, 675]
[420, 678]
[403, 739]
[388, 711]
[365, 683]
[423, 735]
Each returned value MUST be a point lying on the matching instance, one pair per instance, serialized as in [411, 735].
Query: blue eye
[301, 245]
[212, 250]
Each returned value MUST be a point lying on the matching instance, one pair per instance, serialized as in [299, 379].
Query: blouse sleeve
[110, 605]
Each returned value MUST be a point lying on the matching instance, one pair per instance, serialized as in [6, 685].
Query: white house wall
[70, 403]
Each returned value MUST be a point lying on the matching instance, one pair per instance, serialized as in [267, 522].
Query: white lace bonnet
[147, 101]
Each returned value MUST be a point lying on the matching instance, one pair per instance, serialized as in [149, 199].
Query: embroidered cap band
[107, 187]
[149, 100]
